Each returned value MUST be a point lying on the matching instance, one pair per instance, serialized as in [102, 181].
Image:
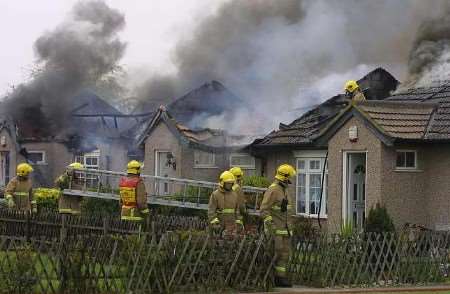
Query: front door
[164, 168]
[4, 168]
[356, 189]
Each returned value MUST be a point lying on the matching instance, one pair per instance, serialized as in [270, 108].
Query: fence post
[105, 226]
[28, 224]
[63, 230]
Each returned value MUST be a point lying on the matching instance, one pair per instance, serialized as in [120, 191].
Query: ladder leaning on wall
[164, 191]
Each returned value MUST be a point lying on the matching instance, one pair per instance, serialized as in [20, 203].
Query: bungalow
[172, 149]
[332, 143]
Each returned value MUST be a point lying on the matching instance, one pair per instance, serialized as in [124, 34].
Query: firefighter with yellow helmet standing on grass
[223, 207]
[71, 179]
[133, 196]
[276, 212]
[352, 90]
[18, 192]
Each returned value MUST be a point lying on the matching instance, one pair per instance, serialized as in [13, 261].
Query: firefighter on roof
[18, 192]
[352, 90]
[223, 207]
[276, 212]
[71, 179]
[133, 196]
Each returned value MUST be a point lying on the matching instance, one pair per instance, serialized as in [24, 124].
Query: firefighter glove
[10, 201]
[268, 225]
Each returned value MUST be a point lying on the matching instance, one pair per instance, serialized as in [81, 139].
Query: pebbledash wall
[162, 139]
[10, 146]
[419, 196]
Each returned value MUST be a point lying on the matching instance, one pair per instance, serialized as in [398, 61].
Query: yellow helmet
[134, 167]
[284, 172]
[351, 86]
[226, 177]
[24, 169]
[75, 166]
[237, 172]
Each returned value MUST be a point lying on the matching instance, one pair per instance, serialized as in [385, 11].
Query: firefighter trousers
[283, 251]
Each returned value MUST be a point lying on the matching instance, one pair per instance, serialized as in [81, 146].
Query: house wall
[339, 143]
[57, 158]
[403, 191]
[11, 147]
[113, 155]
[436, 175]
[161, 139]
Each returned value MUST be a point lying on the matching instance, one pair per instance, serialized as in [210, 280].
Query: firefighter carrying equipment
[134, 167]
[24, 169]
[18, 193]
[351, 86]
[226, 178]
[285, 172]
[128, 187]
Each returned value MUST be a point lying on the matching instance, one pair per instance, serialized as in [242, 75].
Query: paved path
[305, 290]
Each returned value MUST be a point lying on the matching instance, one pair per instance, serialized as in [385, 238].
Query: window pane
[410, 159]
[301, 193]
[242, 160]
[36, 157]
[314, 164]
[204, 158]
[301, 164]
[400, 159]
[314, 180]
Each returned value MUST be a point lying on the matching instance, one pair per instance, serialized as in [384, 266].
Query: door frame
[157, 160]
[345, 182]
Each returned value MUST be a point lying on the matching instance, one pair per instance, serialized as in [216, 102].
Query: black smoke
[76, 54]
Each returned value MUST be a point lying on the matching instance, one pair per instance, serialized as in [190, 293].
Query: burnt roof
[377, 85]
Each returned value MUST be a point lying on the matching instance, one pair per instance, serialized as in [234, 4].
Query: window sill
[205, 167]
[408, 170]
[313, 216]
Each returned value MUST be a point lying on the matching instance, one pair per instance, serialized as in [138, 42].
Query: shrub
[303, 227]
[46, 198]
[379, 220]
[100, 207]
[256, 181]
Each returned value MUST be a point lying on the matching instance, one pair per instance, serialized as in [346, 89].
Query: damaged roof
[206, 138]
[377, 85]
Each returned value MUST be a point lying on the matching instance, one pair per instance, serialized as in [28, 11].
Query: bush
[379, 220]
[46, 198]
[256, 181]
[303, 227]
[100, 207]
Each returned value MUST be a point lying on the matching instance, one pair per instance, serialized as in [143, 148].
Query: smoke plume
[77, 53]
[429, 59]
[280, 55]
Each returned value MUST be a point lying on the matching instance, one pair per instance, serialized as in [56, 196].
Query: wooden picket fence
[371, 259]
[175, 262]
[50, 224]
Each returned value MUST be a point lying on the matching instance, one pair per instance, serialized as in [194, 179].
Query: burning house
[176, 142]
[97, 131]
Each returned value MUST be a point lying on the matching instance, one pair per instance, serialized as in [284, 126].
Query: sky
[152, 29]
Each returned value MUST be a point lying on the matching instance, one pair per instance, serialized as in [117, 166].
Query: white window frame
[306, 171]
[406, 168]
[211, 165]
[252, 166]
[44, 156]
[90, 179]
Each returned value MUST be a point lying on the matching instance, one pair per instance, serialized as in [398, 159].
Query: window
[90, 160]
[309, 184]
[242, 160]
[204, 159]
[406, 159]
[37, 157]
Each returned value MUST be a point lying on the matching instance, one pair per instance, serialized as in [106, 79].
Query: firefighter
[352, 90]
[18, 192]
[71, 179]
[133, 196]
[223, 207]
[277, 211]
[237, 188]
